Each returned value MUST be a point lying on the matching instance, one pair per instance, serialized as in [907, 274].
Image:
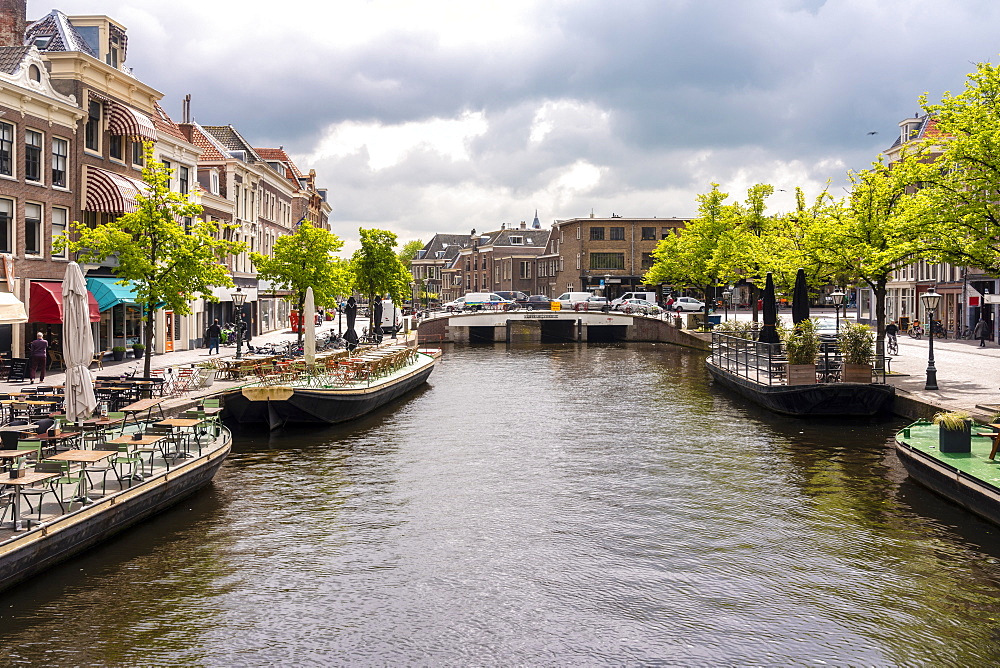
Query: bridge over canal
[554, 327]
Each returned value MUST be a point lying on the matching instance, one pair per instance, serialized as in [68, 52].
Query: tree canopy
[378, 271]
[409, 251]
[306, 259]
[170, 256]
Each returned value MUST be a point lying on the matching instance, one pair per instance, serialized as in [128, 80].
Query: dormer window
[909, 131]
[42, 42]
[517, 241]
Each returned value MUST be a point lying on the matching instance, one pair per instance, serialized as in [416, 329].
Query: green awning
[109, 293]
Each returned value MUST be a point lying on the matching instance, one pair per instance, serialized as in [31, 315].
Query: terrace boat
[50, 530]
[969, 479]
[338, 388]
[759, 372]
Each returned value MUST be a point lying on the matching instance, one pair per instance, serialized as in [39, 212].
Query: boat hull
[820, 399]
[44, 546]
[973, 494]
[278, 406]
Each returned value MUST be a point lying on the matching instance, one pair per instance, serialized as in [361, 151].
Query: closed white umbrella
[309, 322]
[78, 345]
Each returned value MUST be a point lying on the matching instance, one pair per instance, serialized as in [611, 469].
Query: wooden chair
[98, 359]
[56, 357]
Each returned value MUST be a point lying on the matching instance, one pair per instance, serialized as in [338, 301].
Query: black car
[538, 303]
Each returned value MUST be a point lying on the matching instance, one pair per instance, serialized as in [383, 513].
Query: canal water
[559, 505]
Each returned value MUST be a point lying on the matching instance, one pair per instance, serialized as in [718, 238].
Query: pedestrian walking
[38, 351]
[979, 332]
[213, 335]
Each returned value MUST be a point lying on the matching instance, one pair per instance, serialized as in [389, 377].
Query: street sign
[991, 299]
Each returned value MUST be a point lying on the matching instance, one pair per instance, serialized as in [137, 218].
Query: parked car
[568, 299]
[538, 303]
[515, 296]
[687, 304]
[637, 306]
[476, 301]
[648, 296]
[591, 303]
[826, 328]
[454, 305]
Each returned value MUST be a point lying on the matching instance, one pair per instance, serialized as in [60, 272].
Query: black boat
[328, 398]
[759, 372]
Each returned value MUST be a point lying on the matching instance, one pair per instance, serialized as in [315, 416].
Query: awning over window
[46, 304]
[109, 293]
[127, 121]
[108, 192]
[11, 309]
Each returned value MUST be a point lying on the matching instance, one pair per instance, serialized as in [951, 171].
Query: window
[137, 153]
[32, 155]
[59, 218]
[577, 232]
[60, 153]
[213, 181]
[664, 232]
[517, 241]
[32, 229]
[170, 171]
[649, 234]
[525, 269]
[183, 179]
[607, 260]
[647, 261]
[597, 234]
[116, 147]
[92, 132]
[618, 234]
[6, 149]
[6, 225]
[34, 73]
[577, 260]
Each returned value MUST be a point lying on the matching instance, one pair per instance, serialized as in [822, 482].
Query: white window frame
[8, 207]
[38, 234]
[56, 228]
[9, 139]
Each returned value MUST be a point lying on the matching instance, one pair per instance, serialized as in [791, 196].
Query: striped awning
[130, 123]
[108, 192]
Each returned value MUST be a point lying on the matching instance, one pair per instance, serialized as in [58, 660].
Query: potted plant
[801, 348]
[857, 348]
[118, 353]
[138, 349]
[954, 431]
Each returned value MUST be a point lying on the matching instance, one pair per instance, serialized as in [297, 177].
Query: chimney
[12, 22]
[524, 225]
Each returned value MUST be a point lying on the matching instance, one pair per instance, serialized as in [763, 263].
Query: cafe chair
[103, 468]
[56, 357]
[99, 359]
[127, 458]
[69, 478]
[6, 503]
[33, 446]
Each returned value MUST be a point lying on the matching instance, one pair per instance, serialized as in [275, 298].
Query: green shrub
[801, 342]
[857, 343]
[951, 420]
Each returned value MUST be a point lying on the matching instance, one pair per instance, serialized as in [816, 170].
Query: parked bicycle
[916, 331]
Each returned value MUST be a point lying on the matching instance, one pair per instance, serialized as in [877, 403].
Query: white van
[568, 300]
[392, 317]
[648, 296]
[476, 301]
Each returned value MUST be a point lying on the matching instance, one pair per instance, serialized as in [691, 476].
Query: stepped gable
[54, 32]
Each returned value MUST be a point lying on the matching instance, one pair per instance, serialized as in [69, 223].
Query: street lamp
[239, 299]
[838, 301]
[931, 300]
[726, 295]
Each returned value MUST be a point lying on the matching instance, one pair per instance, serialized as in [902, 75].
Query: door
[168, 335]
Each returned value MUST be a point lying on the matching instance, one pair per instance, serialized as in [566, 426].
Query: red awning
[46, 304]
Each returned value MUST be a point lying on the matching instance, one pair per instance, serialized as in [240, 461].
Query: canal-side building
[606, 256]
[39, 186]
[966, 290]
[501, 260]
[433, 267]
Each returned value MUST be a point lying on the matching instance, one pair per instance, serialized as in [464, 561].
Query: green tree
[378, 271]
[409, 251]
[962, 179]
[303, 260]
[700, 254]
[877, 229]
[168, 260]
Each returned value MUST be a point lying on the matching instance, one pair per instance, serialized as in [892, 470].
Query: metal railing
[767, 363]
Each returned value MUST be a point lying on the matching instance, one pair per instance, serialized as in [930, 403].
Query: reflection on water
[553, 505]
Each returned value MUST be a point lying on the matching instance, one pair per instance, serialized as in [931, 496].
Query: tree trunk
[301, 305]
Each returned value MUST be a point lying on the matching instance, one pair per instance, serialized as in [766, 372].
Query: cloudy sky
[442, 116]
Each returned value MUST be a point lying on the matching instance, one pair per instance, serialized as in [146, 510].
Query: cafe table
[148, 443]
[996, 438]
[184, 423]
[26, 480]
[61, 437]
[133, 410]
[83, 458]
[12, 455]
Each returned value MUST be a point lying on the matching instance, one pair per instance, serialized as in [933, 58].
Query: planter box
[955, 440]
[856, 373]
[801, 374]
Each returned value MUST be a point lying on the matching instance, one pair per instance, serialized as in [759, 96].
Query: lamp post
[838, 301]
[726, 295]
[239, 299]
[931, 300]
[607, 292]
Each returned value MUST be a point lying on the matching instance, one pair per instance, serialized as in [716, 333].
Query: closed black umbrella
[769, 331]
[800, 298]
[351, 310]
[377, 322]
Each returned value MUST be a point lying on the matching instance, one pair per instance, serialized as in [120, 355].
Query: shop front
[121, 317]
[45, 313]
